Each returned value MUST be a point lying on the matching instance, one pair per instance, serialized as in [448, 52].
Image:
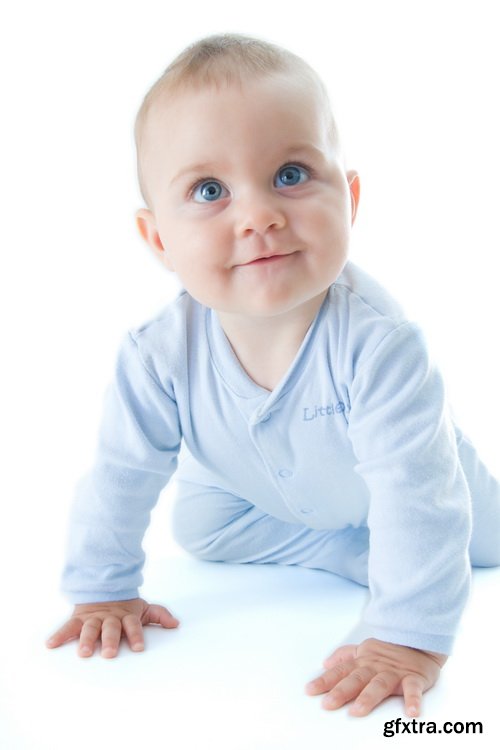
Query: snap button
[306, 511]
[266, 418]
[285, 473]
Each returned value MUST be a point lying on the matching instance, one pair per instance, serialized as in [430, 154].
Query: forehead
[262, 115]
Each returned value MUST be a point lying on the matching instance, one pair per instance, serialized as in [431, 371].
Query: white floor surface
[232, 676]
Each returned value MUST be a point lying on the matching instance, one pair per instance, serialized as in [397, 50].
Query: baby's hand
[109, 620]
[374, 670]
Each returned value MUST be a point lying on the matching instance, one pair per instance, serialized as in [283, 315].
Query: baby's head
[239, 159]
[219, 62]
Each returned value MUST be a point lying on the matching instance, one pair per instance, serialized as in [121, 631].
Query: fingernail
[329, 702]
[85, 651]
[138, 647]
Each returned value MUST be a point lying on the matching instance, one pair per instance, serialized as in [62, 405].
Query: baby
[314, 426]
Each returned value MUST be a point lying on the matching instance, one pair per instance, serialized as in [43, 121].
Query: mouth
[267, 260]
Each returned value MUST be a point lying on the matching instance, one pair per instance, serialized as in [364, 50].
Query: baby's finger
[111, 633]
[340, 655]
[91, 631]
[329, 679]
[413, 687]
[158, 615]
[134, 632]
[380, 687]
[69, 631]
[348, 688]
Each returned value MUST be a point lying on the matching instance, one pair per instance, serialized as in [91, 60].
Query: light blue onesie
[352, 464]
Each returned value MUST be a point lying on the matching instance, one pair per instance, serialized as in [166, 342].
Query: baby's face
[251, 206]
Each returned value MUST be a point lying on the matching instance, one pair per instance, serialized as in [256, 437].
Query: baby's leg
[215, 525]
[484, 549]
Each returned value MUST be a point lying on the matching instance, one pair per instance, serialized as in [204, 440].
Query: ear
[354, 187]
[146, 224]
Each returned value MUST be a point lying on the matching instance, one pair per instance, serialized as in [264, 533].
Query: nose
[258, 212]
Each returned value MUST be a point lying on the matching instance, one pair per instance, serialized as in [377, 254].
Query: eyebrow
[305, 148]
[204, 166]
[208, 167]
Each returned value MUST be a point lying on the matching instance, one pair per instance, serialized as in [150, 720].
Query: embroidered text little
[323, 411]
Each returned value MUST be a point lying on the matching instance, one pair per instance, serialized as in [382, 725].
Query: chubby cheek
[180, 255]
[328, 225]
[198, 241]
[197, 270]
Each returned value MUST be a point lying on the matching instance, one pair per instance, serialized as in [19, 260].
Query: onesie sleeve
[419, 515]
[137, 448]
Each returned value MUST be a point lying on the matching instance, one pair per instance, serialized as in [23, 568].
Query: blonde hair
[220, 60]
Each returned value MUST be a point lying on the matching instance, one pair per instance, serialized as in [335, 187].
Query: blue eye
[210, 191]
[291, 175]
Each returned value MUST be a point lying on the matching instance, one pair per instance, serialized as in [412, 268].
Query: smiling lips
[266, 259]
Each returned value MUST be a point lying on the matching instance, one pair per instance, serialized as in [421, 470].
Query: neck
[266, 346]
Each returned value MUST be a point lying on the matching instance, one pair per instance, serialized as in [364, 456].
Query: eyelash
[306, 167]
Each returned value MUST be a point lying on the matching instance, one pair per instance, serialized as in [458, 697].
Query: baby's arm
[419, 522]
[373, 671]
[419, 513]
[137, 452]
[109, 621]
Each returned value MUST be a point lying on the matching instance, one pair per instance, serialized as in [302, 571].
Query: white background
[414, 86]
